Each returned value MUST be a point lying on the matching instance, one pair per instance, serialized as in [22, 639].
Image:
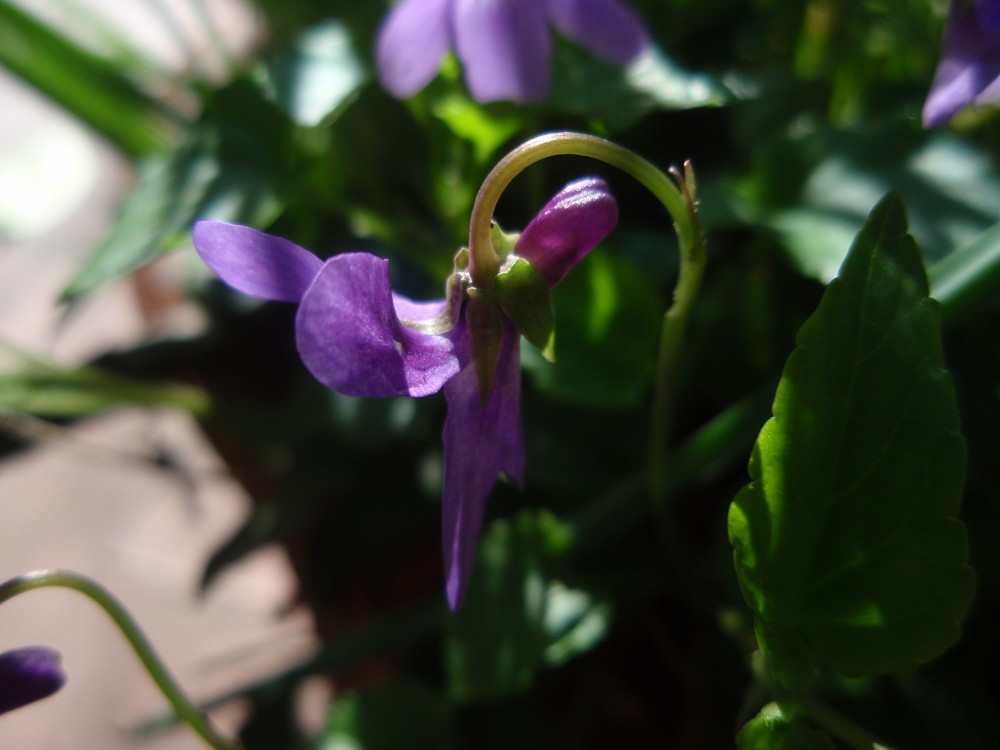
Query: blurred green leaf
[318, 74]
[948, 184]
[405, 713]
[518, 618]
[588, 86]
[30, 385]
[95, 90]
[774, 729]
[468, 119]
[607, 328]
[846, 544]
[231, 168]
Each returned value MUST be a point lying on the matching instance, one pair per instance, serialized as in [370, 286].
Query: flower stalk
[678, 197]
[185, 709]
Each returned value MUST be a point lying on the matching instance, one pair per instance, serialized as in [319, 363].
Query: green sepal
[486, 331]
[503, 243]
[526, 298]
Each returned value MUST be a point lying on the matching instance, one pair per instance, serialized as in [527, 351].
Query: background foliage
[582, 629]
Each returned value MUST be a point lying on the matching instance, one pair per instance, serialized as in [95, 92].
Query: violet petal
[970, 63]
[504, 46]
[479, 443]
[350, 337]
[570, 225]
[411, 44]
[607, 28]
[256, 263]
[28, 675]
[988, 13]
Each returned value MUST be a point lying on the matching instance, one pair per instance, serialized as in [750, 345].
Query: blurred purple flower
[28, 675]
[504, 45]
[969, 70]
[359, 338]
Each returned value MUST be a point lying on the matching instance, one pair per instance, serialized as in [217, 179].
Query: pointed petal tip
[255, 263]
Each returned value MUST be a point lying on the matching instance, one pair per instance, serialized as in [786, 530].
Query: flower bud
[28, 675]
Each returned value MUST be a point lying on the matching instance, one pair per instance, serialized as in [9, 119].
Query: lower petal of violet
[350, 336]
[479, 443]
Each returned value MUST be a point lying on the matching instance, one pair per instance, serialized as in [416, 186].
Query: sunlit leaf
[845, 542]
[318, 74]
[948, 184]
[587, 85]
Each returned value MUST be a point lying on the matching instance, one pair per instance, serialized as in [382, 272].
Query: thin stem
[187, 711]
[679, 200]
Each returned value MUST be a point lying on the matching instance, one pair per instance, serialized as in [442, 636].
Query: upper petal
[607, 28]
[970, 62]
[414, 37]
[569, 226]
[256, 263]
[479, 442]
[504, 46]
[350, 336]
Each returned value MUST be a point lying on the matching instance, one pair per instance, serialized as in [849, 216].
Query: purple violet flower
[969, 70]
[28, 675]
[504, 45]
[359, 338]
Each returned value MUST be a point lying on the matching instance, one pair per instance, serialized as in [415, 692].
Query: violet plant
[504, 45]
[636, 588]
[359, 338]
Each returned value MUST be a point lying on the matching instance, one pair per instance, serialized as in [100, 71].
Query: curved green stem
[678, 197]
[187, 711]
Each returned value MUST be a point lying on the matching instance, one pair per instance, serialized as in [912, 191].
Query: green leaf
[845, 542]
[30, 385]
[518, 618]
[608, 316]
[318, 74]
[406, 713]
[588, 86]
[947, 183]
[227, 170]
[93, 89]
[775, 729]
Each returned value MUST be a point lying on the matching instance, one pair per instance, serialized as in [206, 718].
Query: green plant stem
[840, 726]
[187, 711]
[679, 200]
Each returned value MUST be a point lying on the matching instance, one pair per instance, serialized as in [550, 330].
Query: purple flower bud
[28, 675]
[504, 45]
